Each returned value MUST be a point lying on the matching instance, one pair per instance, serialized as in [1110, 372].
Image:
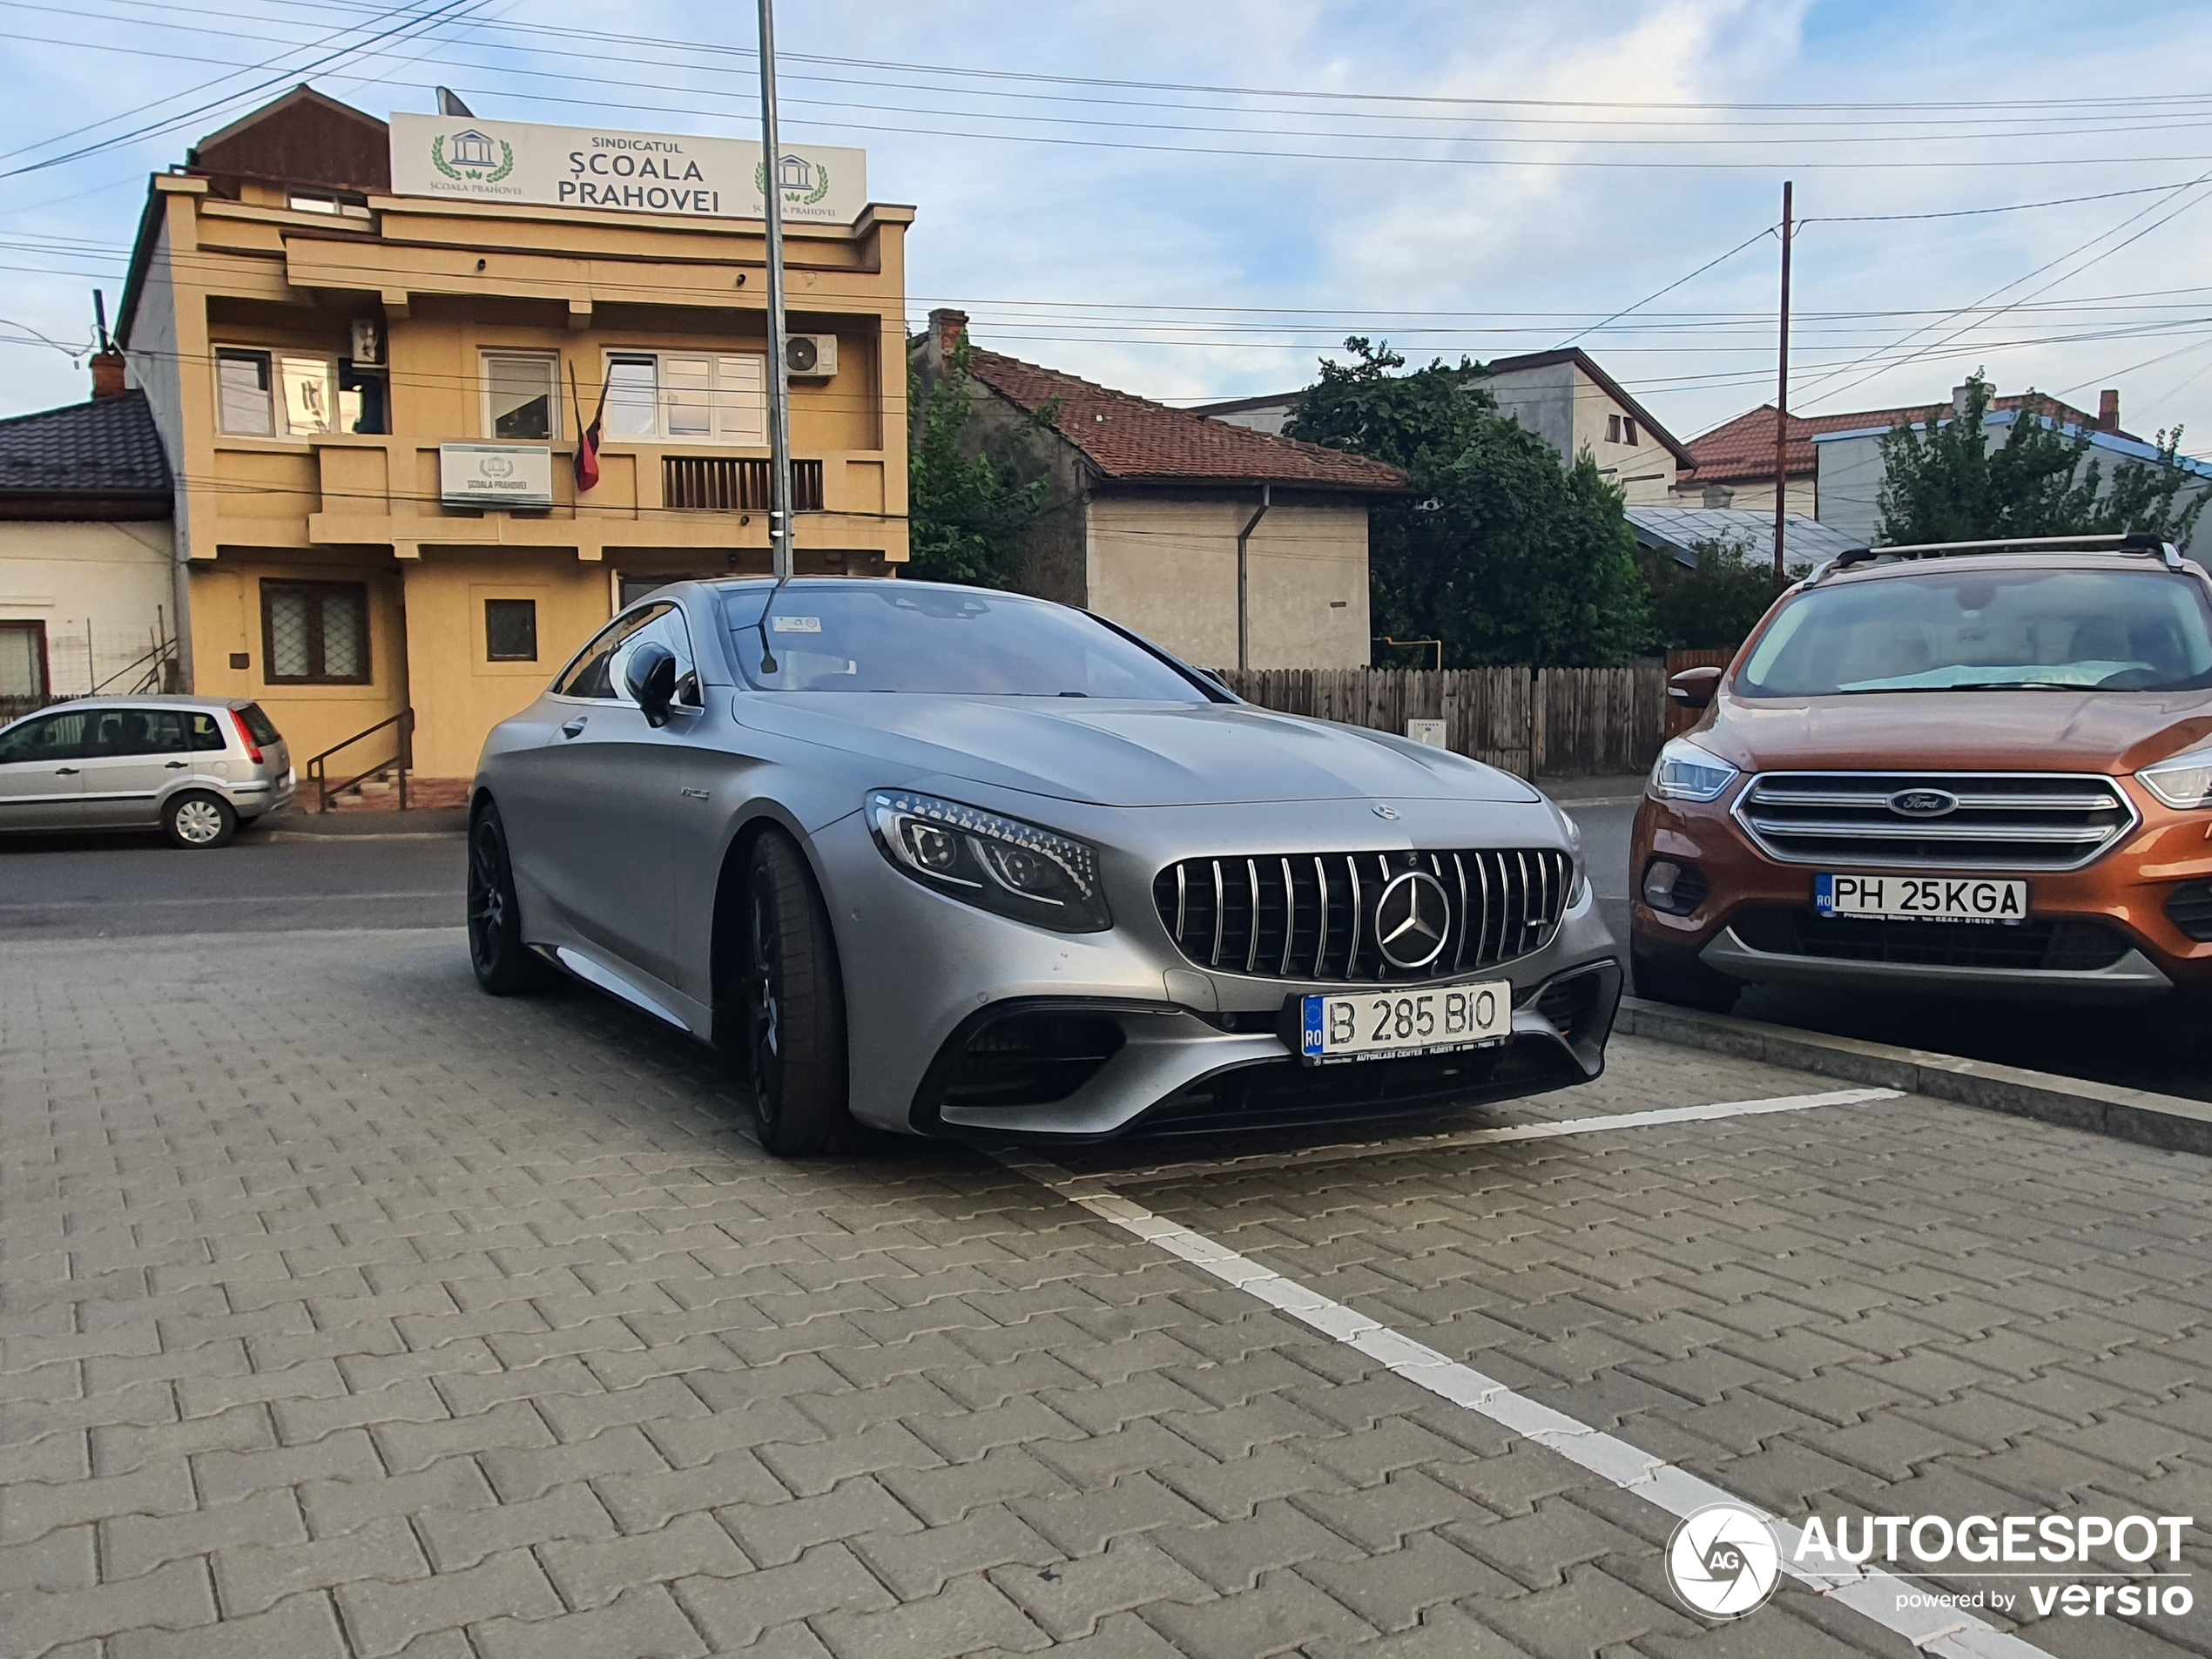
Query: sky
[1196, 201]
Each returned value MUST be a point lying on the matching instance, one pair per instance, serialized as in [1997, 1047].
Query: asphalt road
[121, 886]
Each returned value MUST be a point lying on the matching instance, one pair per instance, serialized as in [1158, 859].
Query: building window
[22, 662]
[522, 395]
[314, 633]
[291, 395]
[510, 631]
[1613, 428]
[687, 397]
[1629, 429]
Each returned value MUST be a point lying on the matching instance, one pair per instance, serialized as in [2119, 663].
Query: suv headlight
[1687, 773]
[2184, 781]
[1001, 864]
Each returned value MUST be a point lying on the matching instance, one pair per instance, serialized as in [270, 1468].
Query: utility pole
[1781, 399]
[772, 201]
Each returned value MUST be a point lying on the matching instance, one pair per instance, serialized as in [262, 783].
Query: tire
[793, 998]
[1686, 982]
[504, 965]
[197, 821]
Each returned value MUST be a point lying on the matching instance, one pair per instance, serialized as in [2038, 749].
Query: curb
[366, 825]
[2168, 1121]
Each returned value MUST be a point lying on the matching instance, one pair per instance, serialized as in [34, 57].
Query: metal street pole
[1781, 399]
[771, 199]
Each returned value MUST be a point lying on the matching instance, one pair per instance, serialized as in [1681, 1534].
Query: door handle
[65, 771]
[176, 765]
[575, 728]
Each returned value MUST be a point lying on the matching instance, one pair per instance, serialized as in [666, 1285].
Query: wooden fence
[1560, 722]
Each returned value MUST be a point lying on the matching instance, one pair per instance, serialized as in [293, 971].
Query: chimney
[947, 329]
[1960, 397]
[2108, 409]
[107, 374]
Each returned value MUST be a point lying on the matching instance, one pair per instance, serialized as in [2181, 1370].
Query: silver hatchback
[196, 766]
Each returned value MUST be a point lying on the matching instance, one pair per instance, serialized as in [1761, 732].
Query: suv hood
[2089, 730]
[1128, 754]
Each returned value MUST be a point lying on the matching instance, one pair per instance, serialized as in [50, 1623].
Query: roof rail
[2128, 542]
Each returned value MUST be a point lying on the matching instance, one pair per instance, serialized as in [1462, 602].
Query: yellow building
[372, 401]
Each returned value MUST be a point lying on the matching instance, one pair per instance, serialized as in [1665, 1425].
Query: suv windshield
[1960, 630]
[886, 636]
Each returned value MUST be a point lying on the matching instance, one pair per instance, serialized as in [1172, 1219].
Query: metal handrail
[403, 758]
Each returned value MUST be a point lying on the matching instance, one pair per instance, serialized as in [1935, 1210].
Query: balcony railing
[735, 484]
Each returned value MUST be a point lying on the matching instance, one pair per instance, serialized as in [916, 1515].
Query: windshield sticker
[795, 624]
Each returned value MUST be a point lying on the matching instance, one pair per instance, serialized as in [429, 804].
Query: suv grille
[1982, 821]
[1313, 914]
[2051, 946]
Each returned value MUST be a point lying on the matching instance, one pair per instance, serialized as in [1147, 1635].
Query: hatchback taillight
[253, 748]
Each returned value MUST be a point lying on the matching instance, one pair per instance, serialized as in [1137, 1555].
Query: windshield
[1956, 629]
[889, 635]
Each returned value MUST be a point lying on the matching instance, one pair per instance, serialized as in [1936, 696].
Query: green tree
[1947, 483]
[1715, 604]
[1500, 551]
[966, 511]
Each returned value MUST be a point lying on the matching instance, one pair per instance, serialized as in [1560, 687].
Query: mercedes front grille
[1311, 915]
[1928, 820]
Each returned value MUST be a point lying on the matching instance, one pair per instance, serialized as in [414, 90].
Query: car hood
[2087, 730]
[1126, 754]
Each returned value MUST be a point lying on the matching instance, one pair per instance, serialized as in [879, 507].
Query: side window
[666, 628]
[50, 738]
[134, 732]
[592, 674]
[205, 733]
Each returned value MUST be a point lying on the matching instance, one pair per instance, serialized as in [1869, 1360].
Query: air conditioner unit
[810, 357]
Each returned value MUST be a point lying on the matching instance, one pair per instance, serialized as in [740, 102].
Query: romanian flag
[587, 448]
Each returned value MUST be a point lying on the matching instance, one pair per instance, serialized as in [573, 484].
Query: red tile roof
[1742, 449]
[1130, 437]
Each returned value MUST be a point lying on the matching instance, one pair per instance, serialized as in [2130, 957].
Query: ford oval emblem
[1924, 803]
[1387, 811]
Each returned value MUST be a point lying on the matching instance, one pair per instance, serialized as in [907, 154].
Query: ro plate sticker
[795, 624]
[1312, 1041]
[1823, 895]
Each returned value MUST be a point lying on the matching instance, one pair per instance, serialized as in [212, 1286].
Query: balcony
[734, 484]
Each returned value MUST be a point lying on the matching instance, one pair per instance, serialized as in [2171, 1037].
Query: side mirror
[650, 679]
[1695, 688]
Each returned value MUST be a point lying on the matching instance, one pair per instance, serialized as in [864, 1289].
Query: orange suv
[1979, 769]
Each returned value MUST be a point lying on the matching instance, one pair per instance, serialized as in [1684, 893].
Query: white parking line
[1878, 1595]
[1597, 1123]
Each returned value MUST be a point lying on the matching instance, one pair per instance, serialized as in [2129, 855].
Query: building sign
[634, 173]
[495, 474]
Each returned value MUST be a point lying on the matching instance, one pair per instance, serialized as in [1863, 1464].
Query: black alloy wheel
[794, 1006]
[505, 967]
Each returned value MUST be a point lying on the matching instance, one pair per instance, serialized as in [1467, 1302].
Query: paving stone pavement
[345, 1311]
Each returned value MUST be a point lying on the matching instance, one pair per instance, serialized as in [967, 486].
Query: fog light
[1676, 889]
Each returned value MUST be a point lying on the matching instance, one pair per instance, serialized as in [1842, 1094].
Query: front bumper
[2123, 944]
[1174, 1046]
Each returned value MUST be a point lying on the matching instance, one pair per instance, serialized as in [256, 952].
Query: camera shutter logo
[1723, 1562]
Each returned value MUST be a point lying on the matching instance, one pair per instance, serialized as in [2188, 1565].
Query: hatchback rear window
[257, 724]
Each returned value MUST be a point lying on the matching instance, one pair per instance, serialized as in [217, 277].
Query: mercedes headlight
[1000, 864]
[1687, 773]
[2184, 781]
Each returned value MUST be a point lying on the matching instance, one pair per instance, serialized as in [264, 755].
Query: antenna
[99, 319]
[448, 104]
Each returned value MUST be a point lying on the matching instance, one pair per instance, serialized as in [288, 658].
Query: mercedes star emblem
[1387, 811]
[1412, 919]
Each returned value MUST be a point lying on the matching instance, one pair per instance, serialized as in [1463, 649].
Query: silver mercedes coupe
[952, 862]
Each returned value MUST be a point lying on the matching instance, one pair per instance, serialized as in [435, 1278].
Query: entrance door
[131, 754]
[41, 773]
